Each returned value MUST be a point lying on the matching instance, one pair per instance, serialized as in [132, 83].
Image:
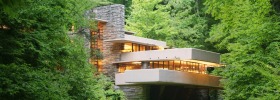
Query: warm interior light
[206, 63]
[127, 47]
[136, 62]
[160, 48]
[129, 67]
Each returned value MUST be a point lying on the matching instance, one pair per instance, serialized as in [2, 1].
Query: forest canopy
[36, 53]
[245, 32]
[38, 59]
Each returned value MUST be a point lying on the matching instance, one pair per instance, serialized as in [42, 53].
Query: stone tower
[112, 19]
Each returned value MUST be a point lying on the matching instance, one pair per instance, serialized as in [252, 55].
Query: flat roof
[138, 40]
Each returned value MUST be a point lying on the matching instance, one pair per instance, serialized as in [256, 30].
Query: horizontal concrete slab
[184, 54]
[160, 76]
[138, 40]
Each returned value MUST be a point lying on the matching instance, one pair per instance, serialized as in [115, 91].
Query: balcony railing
[184, 66]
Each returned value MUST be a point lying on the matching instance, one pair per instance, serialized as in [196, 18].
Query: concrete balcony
[184, 54]
[138, 40]
[168, 77]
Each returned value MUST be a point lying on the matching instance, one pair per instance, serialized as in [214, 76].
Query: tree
[149, 19]
[38, 60]
[248, 31]
[182, 23]
[191, 24]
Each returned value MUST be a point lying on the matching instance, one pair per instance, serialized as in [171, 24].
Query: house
[143, 68]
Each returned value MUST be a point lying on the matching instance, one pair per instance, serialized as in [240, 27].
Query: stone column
[114, 28]
[136, 92]
[145, 65]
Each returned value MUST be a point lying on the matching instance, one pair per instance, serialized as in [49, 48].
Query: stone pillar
[136, 92]
[114, 28]
[145, 65]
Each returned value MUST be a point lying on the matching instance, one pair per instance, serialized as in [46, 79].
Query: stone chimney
[113, 17]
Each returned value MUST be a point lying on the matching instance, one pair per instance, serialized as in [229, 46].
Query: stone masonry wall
[136, 92]
[114, 28]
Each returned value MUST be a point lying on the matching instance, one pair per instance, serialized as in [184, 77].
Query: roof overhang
[138, 40]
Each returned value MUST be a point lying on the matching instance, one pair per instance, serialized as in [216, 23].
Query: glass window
[154, 48]
[127, 47]
[161, 64]
[184, 66]
[171, 65]
[142, 48]
[133, 47]
[147, 48]
[166, 65]
[156, 64]
[177, 65]
[151, 65]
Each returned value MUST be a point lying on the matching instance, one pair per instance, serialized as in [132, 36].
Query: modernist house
[143, 68]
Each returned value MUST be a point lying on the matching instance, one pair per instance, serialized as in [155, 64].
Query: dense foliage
[38, 59]
[191, 24]
[249, 31]
[246, 32]
[148, 22]
[182, 23]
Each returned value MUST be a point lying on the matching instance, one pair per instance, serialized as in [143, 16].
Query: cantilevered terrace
[145, 61]
[143, 68]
